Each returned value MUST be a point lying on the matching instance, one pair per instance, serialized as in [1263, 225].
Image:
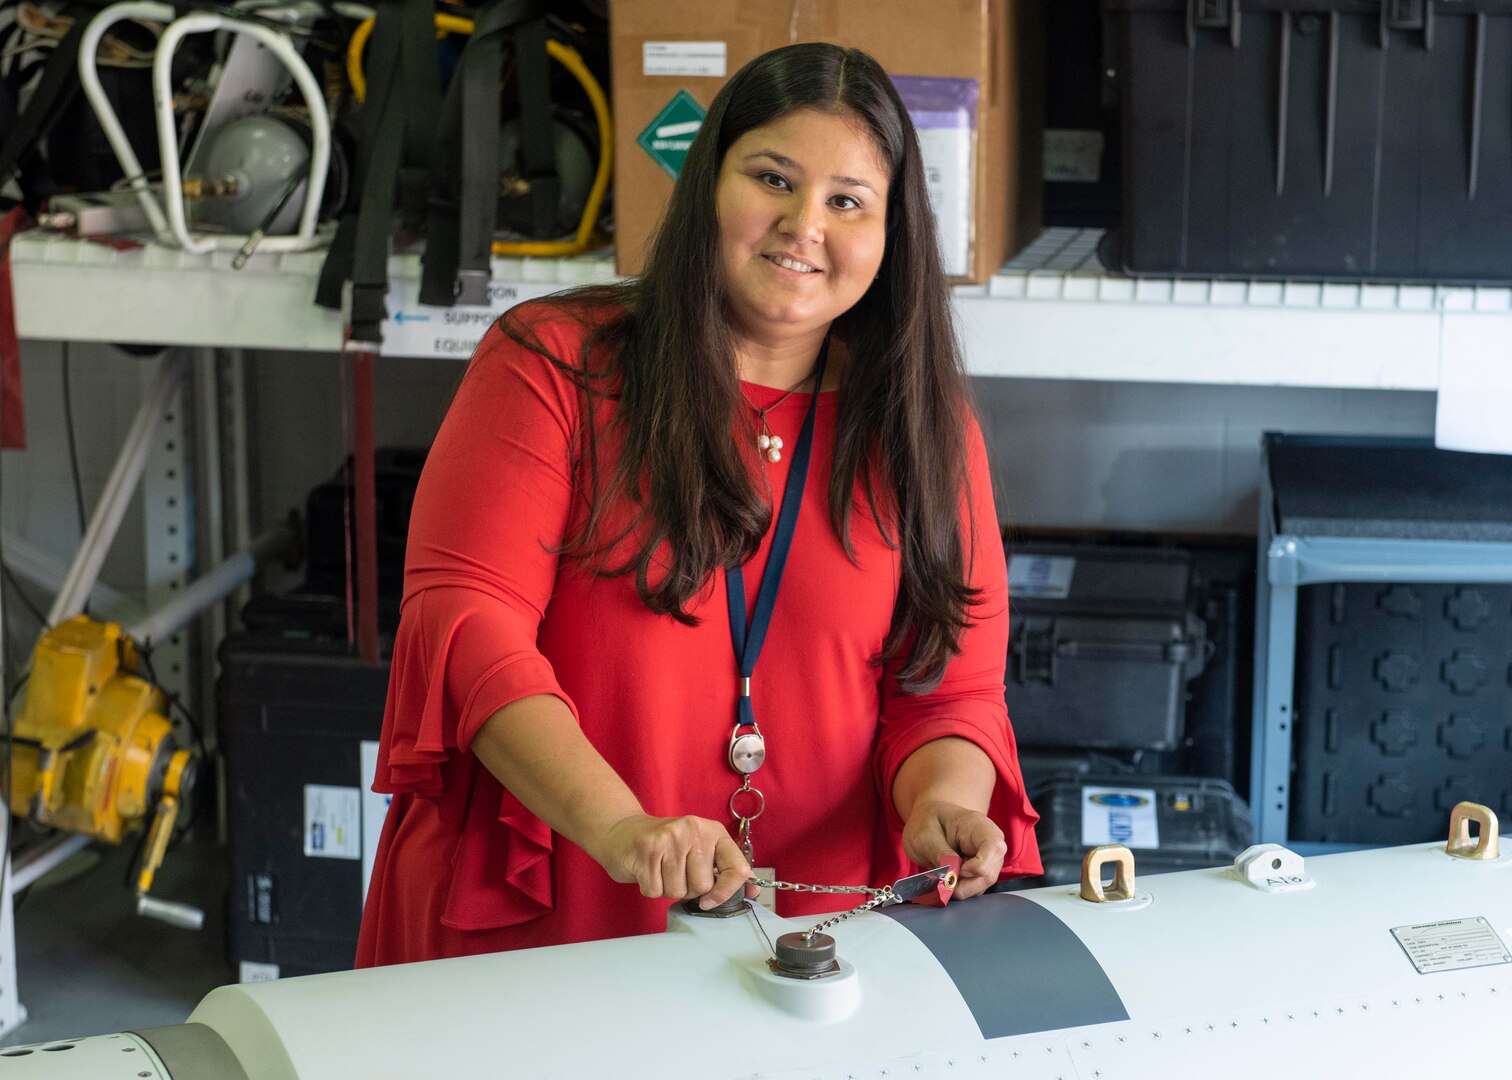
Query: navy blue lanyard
[748, 641]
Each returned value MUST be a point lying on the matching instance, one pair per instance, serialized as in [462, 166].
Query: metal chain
[884, 896]
[791, 886]
[878, 898]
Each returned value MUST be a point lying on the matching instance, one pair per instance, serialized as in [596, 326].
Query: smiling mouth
[790, 264]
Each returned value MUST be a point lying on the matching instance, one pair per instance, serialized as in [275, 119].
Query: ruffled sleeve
[969, 701]
[490, 512]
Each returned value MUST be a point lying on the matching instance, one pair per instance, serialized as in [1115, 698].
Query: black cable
[15, 692]
[26, 602]
[73, 445]
[145, 652]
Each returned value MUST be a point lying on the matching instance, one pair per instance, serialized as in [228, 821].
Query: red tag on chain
[939, 896]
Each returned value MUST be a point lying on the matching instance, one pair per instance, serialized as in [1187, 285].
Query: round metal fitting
[734, 906]
[802, 957]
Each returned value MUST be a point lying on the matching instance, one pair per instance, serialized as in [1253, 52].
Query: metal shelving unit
[1052, 313]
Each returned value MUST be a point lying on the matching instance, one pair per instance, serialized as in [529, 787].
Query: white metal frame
[168, 525]
[171, 227]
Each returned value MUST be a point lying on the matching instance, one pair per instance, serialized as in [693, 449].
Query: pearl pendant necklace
[771, 445]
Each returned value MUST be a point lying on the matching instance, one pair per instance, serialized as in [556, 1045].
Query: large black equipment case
[1102, 645]
[1201, 823]
[296, 707]
[1359, 139]
[328, 533]
[1401, 689]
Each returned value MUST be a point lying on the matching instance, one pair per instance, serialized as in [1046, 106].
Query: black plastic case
[295, 710]
[1201, 823]
[396, 474]
[1102, 645]
[1358, 139]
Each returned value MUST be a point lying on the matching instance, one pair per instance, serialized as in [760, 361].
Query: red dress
[491, 615]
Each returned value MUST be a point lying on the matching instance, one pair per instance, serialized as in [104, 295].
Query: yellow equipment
[93, 749]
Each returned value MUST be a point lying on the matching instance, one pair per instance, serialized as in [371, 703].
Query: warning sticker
[1451, 945]
[670, 135]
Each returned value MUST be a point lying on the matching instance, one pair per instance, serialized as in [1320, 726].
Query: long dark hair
[904, 396]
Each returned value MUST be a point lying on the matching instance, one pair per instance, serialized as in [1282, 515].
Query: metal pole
[35, 566]
[111, 508]
[209, 589]
[34, 863]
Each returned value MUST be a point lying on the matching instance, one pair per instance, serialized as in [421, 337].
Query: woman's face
[802, 206]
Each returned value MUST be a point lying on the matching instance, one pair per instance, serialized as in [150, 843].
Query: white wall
[1154, 456]
[1064, 453]
[1070, 454]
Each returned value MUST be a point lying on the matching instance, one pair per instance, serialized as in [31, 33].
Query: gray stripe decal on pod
[1018, 967]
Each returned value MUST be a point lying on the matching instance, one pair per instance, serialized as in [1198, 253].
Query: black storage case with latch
[296, 707]
[1102, 645]
[1200, 823]
[1359, 139]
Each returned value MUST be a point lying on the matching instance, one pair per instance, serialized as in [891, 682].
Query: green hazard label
[669, 136]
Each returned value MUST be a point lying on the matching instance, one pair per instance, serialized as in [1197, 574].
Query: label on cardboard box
[944, 112]
[668, 138]
[701, 59]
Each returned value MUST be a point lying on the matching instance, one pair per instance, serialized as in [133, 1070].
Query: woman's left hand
[936, 829]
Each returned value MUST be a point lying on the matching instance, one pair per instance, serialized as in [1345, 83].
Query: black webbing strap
[54, 92]
[537, 130]
[464, 189]
[398, 134]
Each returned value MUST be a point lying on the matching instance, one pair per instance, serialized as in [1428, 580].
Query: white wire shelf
[1052, 312]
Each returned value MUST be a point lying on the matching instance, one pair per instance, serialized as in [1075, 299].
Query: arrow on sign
[402, 318]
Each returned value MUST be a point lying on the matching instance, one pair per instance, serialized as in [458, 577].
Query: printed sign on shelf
[416, 329]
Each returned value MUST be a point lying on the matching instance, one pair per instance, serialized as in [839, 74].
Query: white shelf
[1052, 312]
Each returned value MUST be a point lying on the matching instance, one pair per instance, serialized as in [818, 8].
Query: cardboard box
[670, 57]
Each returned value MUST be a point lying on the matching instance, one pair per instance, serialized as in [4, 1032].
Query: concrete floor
[87, 964]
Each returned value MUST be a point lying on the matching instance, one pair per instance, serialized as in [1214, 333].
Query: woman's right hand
[675, 858]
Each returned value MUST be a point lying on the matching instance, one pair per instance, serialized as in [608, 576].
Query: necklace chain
[762, 411]
[771, 445]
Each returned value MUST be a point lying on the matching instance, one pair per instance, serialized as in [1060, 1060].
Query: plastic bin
[1384, 639]
[1358, 139]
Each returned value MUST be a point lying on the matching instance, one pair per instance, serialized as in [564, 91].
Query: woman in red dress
[601, 700]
